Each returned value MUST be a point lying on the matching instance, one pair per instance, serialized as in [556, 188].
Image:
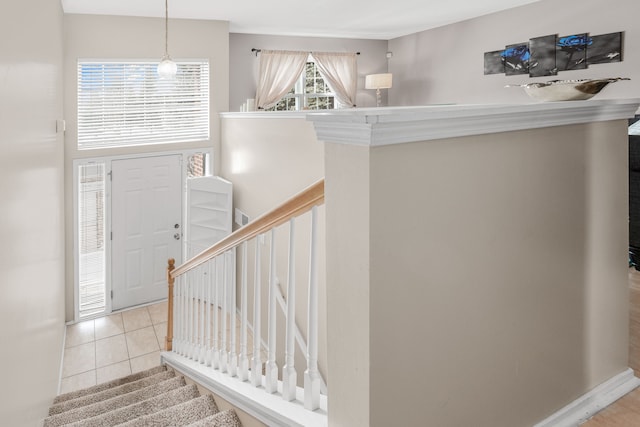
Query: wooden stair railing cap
[293, 207]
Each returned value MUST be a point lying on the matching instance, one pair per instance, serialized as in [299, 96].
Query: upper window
[310, 92]
[126, 103]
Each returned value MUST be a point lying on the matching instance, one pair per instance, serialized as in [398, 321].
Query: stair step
[102, 407]
[226, 418]
[110, 393]
[178, 415]
[155, 404]
[110, 384]
[155, 397]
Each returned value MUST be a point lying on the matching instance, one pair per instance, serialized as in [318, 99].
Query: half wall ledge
[495, 238]
[397, 125]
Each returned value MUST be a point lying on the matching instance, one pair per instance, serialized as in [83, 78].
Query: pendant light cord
[166, 28]
[167, 68]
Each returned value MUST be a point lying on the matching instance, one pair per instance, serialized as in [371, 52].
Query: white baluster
[233, 356]
[182, 315]
[195, 351]
[243, 369]
[271, 369]
[256, 360]
[183, 302]
[191, 325]
[224, 362]
[289, 376]
[201, 316]
[312, 379]
[208, 343]
[185, 316]
[176, 316]
[216, 285]
[196, 321]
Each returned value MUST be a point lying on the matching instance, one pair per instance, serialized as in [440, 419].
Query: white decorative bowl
[566, 90]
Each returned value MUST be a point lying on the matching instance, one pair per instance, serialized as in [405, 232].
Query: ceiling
[370, 19]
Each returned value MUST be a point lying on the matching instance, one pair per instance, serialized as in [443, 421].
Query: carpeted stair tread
[178, 415]
[114, 403]
[109, 384]
[226, 418]
[155, 404]
[109, 393]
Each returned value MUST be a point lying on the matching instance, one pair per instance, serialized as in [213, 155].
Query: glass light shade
[378, 81]
[167, 69]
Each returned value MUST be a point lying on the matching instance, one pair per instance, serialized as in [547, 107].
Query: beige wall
[31, 213]
[496, 275]
[116, 37]
[347, 191]
[446, 65]
[268, 161]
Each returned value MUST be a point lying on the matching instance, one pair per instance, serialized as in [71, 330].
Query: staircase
[155, 397]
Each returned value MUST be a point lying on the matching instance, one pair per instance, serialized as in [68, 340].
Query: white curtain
[340, 71]
[279, 71]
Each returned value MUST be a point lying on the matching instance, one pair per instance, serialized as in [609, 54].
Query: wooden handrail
[295, 206]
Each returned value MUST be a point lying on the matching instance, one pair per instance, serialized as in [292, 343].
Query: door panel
[146, 207]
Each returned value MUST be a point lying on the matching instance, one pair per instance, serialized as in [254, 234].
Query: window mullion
[299, 91]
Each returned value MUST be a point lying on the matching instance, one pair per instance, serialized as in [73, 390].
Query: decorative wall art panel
[605, 48]
[543, 54]
[493, 62]
[547, 55]
[516, 59]
[571, 52]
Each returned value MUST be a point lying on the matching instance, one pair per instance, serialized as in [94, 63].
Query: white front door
[146, 222]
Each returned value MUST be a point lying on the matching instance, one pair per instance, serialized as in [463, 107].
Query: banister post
[170, 280]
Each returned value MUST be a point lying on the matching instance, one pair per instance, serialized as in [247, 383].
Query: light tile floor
[113, 346]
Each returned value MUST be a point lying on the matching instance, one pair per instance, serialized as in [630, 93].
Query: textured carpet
[180, 415]
[114, 383]
[221, 419]
[157, 397]
[110, 393]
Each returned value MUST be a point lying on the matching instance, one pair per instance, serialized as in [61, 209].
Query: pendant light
[167, 69]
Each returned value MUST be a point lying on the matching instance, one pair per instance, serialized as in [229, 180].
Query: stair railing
[197, 330]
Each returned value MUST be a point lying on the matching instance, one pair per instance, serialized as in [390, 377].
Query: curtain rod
[257, 51]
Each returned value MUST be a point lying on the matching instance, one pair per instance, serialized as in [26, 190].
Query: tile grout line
[124, 332]
[95, 351]
[126, 344]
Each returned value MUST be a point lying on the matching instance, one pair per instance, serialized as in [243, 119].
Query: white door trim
[107, 161]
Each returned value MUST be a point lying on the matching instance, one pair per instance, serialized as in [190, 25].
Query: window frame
[299, 95]
[145, 116]
[107, 160]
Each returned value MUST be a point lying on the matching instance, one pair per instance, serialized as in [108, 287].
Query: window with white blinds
[126, 103]
[91, 244]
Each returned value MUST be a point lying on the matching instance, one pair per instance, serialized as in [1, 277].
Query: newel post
[170, 281]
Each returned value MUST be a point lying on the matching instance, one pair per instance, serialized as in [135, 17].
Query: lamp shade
[378, 81]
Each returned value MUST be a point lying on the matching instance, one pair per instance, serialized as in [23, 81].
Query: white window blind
[91, 243]
[126, 103]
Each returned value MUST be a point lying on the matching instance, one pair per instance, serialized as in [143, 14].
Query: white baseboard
[586, 406]
[64, 345]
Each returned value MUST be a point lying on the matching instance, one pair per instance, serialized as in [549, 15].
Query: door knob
[176, 236]
[176, 226]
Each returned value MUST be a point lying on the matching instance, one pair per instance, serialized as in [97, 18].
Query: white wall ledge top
[397, 125]
[264, 114]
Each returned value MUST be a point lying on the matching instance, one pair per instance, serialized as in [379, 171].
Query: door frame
[107, 160]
